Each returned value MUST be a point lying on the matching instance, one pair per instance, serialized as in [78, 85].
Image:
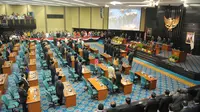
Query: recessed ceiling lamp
[115, 3]
[138, 5]
[106, 5]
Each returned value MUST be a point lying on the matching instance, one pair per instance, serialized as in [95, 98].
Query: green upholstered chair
[53, 99]
[49, 88]
[144, 83]
[92, 92]
[13, 93]
[9, 104]
[73, 75]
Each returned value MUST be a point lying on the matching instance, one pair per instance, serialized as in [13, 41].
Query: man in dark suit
[68, 58]
[113, 107]
[185, 107]
[76, 64]
[7, 53]
[118, 78]
[1, 63]
[80, 69]
[196, 106]
[105, 45]
[165, 101]
[130, 58]
[23, 96]
[70, 43]
[128, 107]
[178, 98]
[86, 55]
[76, 47]
[53, 72]
[62, 50]
[152, 104]
[25, 82]
[59, 89]
[48, 59]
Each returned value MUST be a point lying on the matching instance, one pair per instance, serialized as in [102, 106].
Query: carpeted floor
[86, 104]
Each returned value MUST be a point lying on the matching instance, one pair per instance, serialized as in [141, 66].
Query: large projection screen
[124, 19]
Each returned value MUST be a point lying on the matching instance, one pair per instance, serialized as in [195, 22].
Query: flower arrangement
[174, 58]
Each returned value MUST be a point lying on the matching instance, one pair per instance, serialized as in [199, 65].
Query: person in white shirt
[66, 40]
[58, 43]
[82, 43]
[111, 72]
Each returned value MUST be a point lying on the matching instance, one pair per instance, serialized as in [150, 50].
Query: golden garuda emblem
[171, 23]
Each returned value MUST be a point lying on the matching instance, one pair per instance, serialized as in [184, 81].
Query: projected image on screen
[125, 19]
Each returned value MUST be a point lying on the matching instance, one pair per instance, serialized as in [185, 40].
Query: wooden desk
[100, 87]
[33, 78]
[165, 47]
[180, 54]
[32, 55]
[73, 61]
[104, 68]
[80, 52]
[123, 53]
[55, 62]
[127, 86]
[32, 49]
[157, 50]
[94, 50]
[3, 82]
[32, 44]
[7, 67]
[86, 72]
[92, 60]
[152, 80]
[87, 46]
[16, 49]
[32, 65]
[50, 53]
[61, 74]
[107, 57]
[126, 68]
[17, 45]
[33, 99]
[12, 57]
[69, 94]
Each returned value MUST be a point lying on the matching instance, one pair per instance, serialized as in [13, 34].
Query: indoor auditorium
[99, 55]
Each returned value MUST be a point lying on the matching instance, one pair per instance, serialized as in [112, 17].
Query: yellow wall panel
[68, 19]
[39, 13]
[105, 19]
[97, 21]
[55, 10]
[55, 24]
[84, 17]
[75, 17]
[20, 9]
[2, 9]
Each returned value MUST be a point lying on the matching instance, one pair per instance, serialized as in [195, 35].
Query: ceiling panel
[124, 3]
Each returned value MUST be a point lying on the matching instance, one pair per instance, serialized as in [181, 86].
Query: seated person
[195, 106]
[152, 104]
[25, 82]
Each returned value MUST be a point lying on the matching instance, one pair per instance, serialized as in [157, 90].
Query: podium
[180, 54]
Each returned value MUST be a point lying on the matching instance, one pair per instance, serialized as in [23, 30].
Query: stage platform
[192, 62]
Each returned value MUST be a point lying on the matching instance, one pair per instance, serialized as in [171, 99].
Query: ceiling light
[185, 5]
[106, 5]
[138, 5]
[115, 3]
[86, 2]
[195, 5]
